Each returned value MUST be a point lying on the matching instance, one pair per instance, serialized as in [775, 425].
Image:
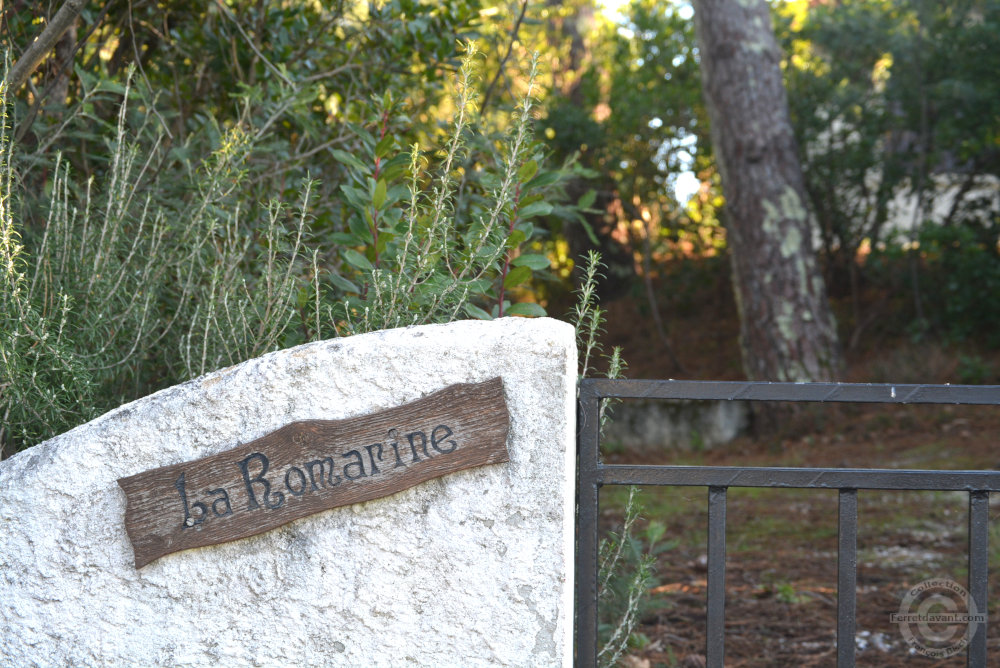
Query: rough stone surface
[472, 569]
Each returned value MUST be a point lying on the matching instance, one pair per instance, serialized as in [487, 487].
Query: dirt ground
[782, 544]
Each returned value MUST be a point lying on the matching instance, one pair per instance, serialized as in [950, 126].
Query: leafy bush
[128, 289]
[294, 74]
[959, 267]
[939, 281]
[891, 98]
[123, 293]
[42, 378]
[422, 248]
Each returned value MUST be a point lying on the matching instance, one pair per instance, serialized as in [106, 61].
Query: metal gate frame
[592, 474]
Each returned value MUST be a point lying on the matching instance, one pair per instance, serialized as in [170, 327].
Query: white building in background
[948, 184]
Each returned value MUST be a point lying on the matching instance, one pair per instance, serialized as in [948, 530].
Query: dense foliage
[200, 185]
[300, 170]
[897, 107]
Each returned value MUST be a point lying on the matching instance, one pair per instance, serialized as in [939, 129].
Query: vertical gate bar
[715, 640]
[588, 435]
[847, 577]
[979, 532]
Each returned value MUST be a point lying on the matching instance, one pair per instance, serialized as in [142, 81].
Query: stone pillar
[474, 568]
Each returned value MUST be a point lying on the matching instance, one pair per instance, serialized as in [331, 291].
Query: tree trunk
[787, 330]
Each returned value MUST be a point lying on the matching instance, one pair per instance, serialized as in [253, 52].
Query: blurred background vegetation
[189, 184]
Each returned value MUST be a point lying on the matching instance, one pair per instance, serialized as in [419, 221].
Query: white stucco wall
[471, 569]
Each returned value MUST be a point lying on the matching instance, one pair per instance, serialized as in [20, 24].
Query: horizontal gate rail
[878, 393]
[592, 474]
[736, 476]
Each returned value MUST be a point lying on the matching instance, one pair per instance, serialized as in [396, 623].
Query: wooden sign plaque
[314, 465]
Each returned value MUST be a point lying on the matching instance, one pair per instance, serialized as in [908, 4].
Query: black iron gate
[592, 474]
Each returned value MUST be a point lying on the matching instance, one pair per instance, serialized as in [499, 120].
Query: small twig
[503, 61]
[138, 63]
[330, 73]
[510, 251]
[383, 128]
[270, 65]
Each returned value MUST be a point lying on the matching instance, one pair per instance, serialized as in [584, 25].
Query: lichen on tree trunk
[787, 330]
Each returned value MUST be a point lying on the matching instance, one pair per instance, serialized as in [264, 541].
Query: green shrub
[142, 277]
[942, 282]
[422, 248]
[959, 272]
[42, 378]
[122, 293]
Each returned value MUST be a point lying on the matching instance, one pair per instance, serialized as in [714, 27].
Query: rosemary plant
[409, 257]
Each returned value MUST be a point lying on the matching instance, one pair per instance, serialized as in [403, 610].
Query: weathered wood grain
[314, 465]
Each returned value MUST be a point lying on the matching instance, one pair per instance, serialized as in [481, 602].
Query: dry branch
[44, 43]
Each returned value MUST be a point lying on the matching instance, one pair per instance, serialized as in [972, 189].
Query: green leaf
[354, 196]
[383, 147]
[356, 259]
[544, 179]
[480, 286]
[378, 198]
[348, 159]
[535, 209]
[587, 200]
[516, 238]
[360, 230]
[477, 313]
[383, 240]
[530, 309]
[517, 276]
[390, 219]
[395, 166]
[527, 171]
[589, 230]
[533, 261]
[343, 283]
[345, 239]
[397, 192]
